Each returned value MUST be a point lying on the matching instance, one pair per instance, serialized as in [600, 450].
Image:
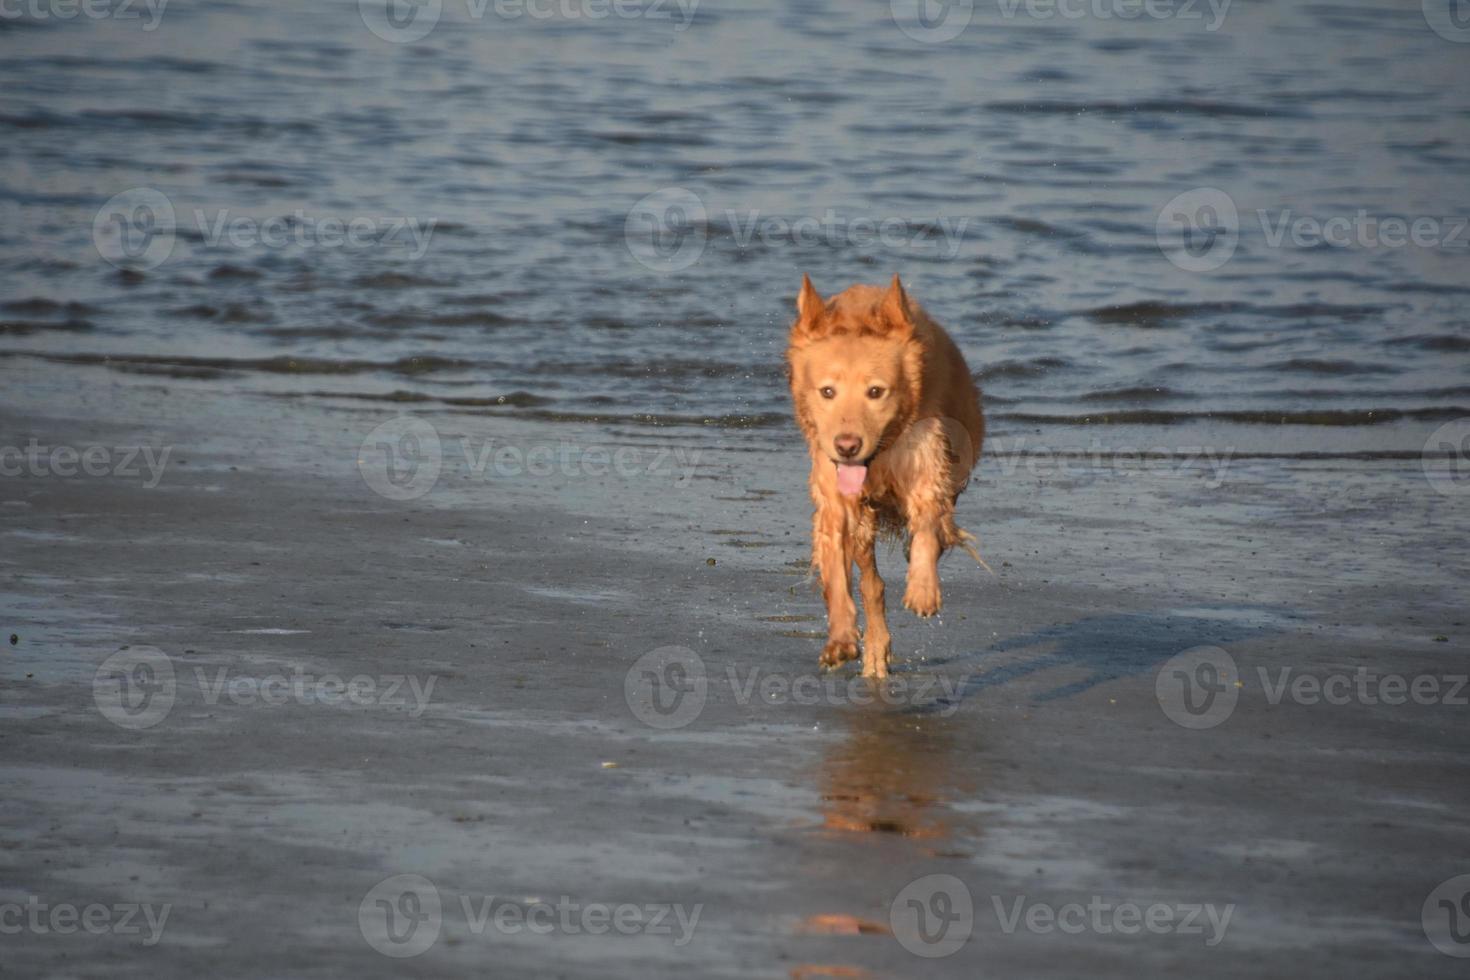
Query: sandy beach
[549, 696]
[404, 534]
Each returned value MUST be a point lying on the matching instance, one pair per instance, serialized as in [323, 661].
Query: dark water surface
[1022, 177]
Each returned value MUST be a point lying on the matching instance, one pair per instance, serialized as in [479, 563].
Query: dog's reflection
[893, 774]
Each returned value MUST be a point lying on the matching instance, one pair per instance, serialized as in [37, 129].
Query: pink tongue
[850, 479]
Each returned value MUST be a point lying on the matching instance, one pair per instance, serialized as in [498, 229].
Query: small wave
[1323, 417]
[1156, 313]
[1033, 368]
[1169, 107]
[234, 273]
[1133, 394]
[397, 280]
[1433, 342]
[407, 366]
[234, 313]
[39, 306]
[1312, 365]
[24, 328]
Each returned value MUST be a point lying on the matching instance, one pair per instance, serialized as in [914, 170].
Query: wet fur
[921, 438]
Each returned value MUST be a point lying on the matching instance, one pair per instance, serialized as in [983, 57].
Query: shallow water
[510, 260]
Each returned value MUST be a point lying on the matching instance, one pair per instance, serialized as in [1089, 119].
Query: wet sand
[1026, 752]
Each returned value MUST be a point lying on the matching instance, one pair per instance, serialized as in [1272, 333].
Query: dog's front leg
[830, 550]
[921, 595]
[876, 641]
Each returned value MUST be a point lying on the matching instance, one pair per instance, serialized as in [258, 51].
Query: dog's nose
[848, 446]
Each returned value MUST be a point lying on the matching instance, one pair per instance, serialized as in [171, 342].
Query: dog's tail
[971, 544]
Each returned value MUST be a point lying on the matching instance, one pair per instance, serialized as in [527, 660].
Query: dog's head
[854, 364]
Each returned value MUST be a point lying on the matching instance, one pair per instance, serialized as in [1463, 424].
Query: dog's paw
[875, 667]
[838, 652]
[921, 597]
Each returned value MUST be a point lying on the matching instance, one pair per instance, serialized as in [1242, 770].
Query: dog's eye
[829, 392]
[875, 392]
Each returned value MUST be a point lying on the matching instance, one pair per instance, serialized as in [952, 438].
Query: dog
[893, 422]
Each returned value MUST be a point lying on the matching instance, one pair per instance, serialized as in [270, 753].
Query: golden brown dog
[892, 419]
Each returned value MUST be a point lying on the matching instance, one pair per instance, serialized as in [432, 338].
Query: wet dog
[893, 422]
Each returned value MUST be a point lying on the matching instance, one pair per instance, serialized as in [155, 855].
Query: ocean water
[1242, 223]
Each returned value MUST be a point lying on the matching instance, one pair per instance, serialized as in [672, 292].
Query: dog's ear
[894, 312]
[809, 308]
